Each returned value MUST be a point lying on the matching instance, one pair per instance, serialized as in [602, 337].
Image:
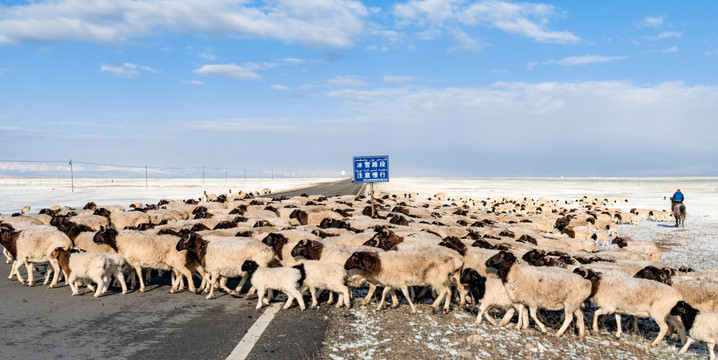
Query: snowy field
[363, 332]
[41, 193]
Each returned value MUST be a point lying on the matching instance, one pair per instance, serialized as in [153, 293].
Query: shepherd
[677, 207]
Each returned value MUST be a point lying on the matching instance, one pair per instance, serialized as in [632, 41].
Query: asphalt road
[41, 323]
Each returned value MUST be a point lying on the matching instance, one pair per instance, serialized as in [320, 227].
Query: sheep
[547, 288]
[95, 222]
[85, 266]
[632, 296]
[326, 276]
[286, 279]
[141, 250]
[701, 294]
[647, 249]
[222, 259]
[400, 270]
[701, 326]
[490, 292]
[31, 246]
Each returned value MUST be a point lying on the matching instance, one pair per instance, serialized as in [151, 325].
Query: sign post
[371, 169]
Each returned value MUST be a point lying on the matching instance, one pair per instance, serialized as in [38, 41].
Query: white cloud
[671, 50]
[711, 53]
[293, 60]
[231, 71]
[279, 87]
[240, 125]
[347, 80]
[127, 70]
[583, 60]
[651, 21]
[207, 56]
[523, 19]
[666, 35]
[3, 71]
[390, 79]
[194, 82]
[331, 23]
[465, 43]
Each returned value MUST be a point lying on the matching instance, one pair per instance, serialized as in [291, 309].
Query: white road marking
[245, 345]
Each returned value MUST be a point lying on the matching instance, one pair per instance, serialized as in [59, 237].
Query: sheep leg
[482, 313]
[580, 323]
[12, 270]
[507, 317]
[532, 312]
[568, 317]
[223, 286]
[405, 291]
[188, 274]
[313, 292]
[121, 278]
[663, 330]
[250, 292]
[677, 324]
[331, 298]
[345, 298]
[619, 328]
[30, 275]
[56, 268]
[520, 322]
[447, 298]
[72, 281]
[260, 297]
[100, 285]
[16, 271]
[383, 297]
[293, 292]
[176, 281]
[596, 314]
[460, 289]
[711, 347]
[369, 294]
[212, 282]
[687, 345]
[48, 272]
[243, 280]
[138, 270]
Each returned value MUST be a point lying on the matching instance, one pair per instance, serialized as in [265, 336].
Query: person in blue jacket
[677, 197]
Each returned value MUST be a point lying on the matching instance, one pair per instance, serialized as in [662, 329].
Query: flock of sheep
[513, 255]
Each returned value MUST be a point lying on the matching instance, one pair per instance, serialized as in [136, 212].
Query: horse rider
[677, 197]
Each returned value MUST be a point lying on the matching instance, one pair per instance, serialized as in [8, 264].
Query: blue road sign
[369, 169]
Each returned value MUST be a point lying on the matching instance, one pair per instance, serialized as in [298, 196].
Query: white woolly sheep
[632, 296]
[490, 293]
[542, 287]
[222, 258]
[285, 279]
[701, 326]
[399, 270]
[322, 275]
[32, 246]
[85, 266]
[141, 250]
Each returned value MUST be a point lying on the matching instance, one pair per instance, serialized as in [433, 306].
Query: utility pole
[72, 177]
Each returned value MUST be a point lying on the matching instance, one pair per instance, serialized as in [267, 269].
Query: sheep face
[655, 274]
[501, 264]
[309, 249]
[250, 267]
[102, 212]
[106, 236]
[532, 257]
[476, 283]
[300, 215]
[686, 312]
[365, 261]
[90, 206]
[74, 230]
[8, 239]
[276, 241]
[621, 242]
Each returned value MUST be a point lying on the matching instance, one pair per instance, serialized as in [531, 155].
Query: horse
[679, 213]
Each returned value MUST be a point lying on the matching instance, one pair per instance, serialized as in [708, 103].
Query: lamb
[701, 326]
[326, 276]
[558, 289]
[286, 279]
[490, 292]
[31, 246]
[632, 296]
[141, 250]
[400, 270]
[223, 259]
[85, 266]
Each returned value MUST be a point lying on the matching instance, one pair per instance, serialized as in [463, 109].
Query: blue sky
[444, 87]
